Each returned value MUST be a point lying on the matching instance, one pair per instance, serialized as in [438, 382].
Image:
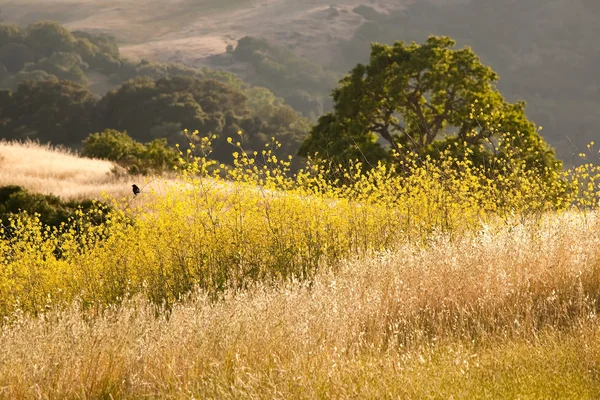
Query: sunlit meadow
[429, 280]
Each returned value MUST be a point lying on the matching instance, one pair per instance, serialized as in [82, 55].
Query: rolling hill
[544, 51]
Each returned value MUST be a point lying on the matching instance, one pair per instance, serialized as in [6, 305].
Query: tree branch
[383, 128]
[402, 129]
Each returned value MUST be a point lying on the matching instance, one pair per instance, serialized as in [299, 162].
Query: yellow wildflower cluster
[229, 227]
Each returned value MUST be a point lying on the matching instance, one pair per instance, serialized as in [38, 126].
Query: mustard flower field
[432, 278]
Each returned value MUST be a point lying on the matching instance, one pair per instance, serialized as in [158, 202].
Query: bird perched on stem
[136, 189]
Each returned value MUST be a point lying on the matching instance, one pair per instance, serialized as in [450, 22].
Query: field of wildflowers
[428, 279]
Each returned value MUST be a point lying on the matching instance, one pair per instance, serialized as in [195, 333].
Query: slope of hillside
[187, 30]
[313, 298]
[50, 170]
[508, 315]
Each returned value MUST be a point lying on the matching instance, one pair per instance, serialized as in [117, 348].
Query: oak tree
[419, 99]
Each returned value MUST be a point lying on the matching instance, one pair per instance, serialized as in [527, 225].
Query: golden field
[422, 286]
[56, 170]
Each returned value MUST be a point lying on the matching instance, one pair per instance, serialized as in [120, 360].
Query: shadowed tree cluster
[304, 84]
[65, 112]
[47, 49]
[61, 112]
[50, 209]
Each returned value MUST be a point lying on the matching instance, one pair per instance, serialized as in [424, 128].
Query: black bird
[136, 189]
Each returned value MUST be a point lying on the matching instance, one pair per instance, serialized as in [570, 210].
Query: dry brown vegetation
[186, 30]
[503, 314]
[508, 310]
[55, 170]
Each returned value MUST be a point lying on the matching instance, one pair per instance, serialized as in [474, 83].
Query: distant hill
[48, 74]
[187, 30]
[296, 37]
[543, 50]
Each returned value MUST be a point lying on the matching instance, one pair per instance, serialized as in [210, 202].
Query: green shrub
[138, 158]
[50, 209]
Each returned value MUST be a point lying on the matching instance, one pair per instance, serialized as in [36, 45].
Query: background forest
[544, 52]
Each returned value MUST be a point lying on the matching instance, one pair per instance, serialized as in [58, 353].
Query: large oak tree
[419, 98]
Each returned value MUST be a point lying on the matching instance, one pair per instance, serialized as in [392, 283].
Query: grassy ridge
[432, 283]
[261, 225]
[47, 169]
[509, 313]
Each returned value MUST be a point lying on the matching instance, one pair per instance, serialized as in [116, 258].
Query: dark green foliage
[113, 145]
[48, 49]
[110, 145]
[60, 112]
[418, 99]
[5, 111]
[302, 83]
[150, 100]
[47, 37]
[149, 109]
[12, 82]
[43, 48]
[63, 65]
[10, 33]
[102, 43]
[545, 51]
[52, 211]
[143, 104]
[14, 56]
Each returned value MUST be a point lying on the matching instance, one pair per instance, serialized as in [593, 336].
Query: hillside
[543, 51]
[365, 291]
[60, 172]
[509, 315]
[187, 30]
[467, 267]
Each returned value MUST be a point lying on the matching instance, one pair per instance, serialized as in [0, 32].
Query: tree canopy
[47, 49]
[545, 52]
[64, 112]
[418, 98]
[303, 84]
[49, 110]
[136, 157]
[148, 109]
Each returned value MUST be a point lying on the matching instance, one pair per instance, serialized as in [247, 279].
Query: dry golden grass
[54, 170]
[503, 310]
[507, 313]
